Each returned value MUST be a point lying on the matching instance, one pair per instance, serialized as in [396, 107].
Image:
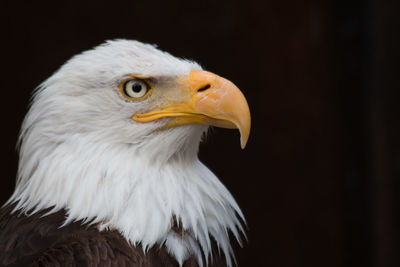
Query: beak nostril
[205, 87]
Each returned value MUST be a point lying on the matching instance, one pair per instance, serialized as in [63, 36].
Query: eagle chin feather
[81, 152]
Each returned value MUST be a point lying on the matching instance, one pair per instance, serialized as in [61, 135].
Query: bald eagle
[108, 169]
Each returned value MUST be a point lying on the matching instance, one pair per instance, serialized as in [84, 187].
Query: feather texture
[38, 240]
[80, 152]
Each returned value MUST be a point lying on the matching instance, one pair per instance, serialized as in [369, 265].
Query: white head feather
[81, 151]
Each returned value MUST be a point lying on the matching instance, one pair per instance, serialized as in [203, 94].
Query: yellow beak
[209, 99]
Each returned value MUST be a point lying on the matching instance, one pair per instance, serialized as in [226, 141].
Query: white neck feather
[118, 187]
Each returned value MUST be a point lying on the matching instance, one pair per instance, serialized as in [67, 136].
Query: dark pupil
[136, 87]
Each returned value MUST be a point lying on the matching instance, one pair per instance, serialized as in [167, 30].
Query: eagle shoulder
[38, 240]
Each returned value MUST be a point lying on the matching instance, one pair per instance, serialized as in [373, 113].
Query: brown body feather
[38, 240]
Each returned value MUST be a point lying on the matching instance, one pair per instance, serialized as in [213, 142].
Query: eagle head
[112, 137]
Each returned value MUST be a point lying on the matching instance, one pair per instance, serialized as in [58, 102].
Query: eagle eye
[135, 89]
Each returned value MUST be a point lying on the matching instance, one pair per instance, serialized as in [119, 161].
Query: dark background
[319, 180]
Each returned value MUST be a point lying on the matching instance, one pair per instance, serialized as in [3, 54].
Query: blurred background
[319, 181]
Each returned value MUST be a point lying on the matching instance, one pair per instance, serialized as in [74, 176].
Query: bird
[109, 173]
